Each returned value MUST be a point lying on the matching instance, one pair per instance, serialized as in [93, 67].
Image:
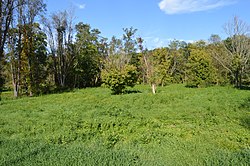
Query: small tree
[118, 71]
[154, 65]
[157, 63]
[118, 78]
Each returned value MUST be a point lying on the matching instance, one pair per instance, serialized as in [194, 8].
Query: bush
[118, 79]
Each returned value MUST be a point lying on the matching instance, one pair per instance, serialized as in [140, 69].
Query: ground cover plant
[176, 126]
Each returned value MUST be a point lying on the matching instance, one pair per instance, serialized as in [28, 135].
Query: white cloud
[157, 42]
[188, 6]
[80, 6]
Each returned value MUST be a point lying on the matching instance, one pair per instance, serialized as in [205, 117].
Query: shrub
[118, 78]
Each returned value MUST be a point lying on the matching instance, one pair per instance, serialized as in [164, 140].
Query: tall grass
[177, 126]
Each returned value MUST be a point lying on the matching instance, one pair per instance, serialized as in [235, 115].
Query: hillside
[177, 126]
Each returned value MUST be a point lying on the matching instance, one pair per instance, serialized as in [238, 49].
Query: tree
[236, 46]
[178, 55]
[200, 72]
[118, 72]
[21, 49]
[87, 65]
[220, 60]
[38, 61]
[153, 70]
[161, 61]
[12, 57]
[51, 41]
[154, 66]
[6, 17]
[143, 69]
[164, 65]
[30, 29]
[150, 66]
[129, 41]
[60, 24]
[118, 78]
[14, 48]
[59, 28]
[214, 39]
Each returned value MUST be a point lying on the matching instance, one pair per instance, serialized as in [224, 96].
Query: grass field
[177, 126]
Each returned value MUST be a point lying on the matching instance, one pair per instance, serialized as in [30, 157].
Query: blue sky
[157, 21]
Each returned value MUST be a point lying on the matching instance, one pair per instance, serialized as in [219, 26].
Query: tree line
[42, 54]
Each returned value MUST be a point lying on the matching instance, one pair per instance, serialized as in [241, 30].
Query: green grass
[177, 126]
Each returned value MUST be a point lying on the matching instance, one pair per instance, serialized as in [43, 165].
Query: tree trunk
[1, 76]
[31, 94]
[55, 71]
[14, 82]
[240, 79]
[19, 47]
[6, 13]
[15, 90]
[153, 86]
[237, 78]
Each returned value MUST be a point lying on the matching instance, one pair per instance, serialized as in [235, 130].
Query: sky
[158, 21]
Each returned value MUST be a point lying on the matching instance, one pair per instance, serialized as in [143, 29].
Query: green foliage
[82, 58]
[129, 41]
[26, 61]
[177, 126]
[118, 78]
[119, 67]
[200, 72]
[217, 51]
[179, 53]
[38, 61]
[160, 63]
[163, 66]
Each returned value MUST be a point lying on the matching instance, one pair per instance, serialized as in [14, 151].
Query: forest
[42, 54]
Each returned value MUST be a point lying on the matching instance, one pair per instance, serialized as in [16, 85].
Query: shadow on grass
[245, 121]
[131, 91]
[246, 105]
[243, 88]
[25, 156]
[127, 92]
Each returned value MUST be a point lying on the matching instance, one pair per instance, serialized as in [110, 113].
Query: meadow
[176, 126]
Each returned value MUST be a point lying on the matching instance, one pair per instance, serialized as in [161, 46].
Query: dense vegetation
[177, 126]
[43, 54]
